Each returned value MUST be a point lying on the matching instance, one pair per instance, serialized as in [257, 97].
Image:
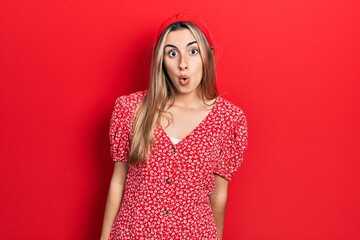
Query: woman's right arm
[114, 198]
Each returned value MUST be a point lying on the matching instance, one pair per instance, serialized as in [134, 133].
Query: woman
[175, 146]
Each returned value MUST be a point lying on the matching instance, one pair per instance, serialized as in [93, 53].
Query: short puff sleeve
[232, 148]
[120, 125]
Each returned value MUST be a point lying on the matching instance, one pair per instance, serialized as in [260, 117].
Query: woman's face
[183, 62]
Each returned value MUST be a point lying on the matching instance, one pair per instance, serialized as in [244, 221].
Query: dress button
[172, 149]
[165, 211]
[168, 180]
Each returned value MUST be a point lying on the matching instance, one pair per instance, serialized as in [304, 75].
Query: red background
[292, 66]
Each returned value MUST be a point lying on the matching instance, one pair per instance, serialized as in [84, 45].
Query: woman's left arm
[218, 202]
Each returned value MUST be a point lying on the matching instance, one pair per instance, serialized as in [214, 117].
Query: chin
[186, 91]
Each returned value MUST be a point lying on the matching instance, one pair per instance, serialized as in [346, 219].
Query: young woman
[175, 146]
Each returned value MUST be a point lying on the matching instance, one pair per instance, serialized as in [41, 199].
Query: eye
[172, 53]
[194, 51]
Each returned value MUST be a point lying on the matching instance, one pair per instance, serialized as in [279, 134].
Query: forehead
[180, 37]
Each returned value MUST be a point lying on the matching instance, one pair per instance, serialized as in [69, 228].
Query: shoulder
[234, 121]
[230, 111]
[129, 102]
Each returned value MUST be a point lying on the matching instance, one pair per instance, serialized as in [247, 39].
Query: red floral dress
[168, 198]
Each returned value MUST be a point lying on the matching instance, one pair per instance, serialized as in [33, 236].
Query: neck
[188, 100]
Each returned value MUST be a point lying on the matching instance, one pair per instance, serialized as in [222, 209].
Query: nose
[183, 63]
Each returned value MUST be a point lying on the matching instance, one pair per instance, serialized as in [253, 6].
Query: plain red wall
[293, 66]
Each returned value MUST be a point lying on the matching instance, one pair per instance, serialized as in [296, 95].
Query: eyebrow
[170, 45]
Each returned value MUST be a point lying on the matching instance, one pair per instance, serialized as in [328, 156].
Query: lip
[183, 77]
[184, 80]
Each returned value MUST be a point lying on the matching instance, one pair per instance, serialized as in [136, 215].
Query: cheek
[169, 66]
[199, 66]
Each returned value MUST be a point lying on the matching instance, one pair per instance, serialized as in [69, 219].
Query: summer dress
[168, 198]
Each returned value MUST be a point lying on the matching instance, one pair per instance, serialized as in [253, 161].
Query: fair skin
[184, 66]
[182, 59]
[114, 198]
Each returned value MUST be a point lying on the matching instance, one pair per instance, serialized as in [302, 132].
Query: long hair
[161, 90]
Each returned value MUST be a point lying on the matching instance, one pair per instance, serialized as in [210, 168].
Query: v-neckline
[202, 122]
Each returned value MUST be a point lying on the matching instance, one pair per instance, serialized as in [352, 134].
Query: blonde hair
[161, 90]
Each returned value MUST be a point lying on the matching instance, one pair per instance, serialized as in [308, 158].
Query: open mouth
[184, 80]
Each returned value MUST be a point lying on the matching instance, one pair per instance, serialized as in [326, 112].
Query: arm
[218, 202]
[114, 198]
